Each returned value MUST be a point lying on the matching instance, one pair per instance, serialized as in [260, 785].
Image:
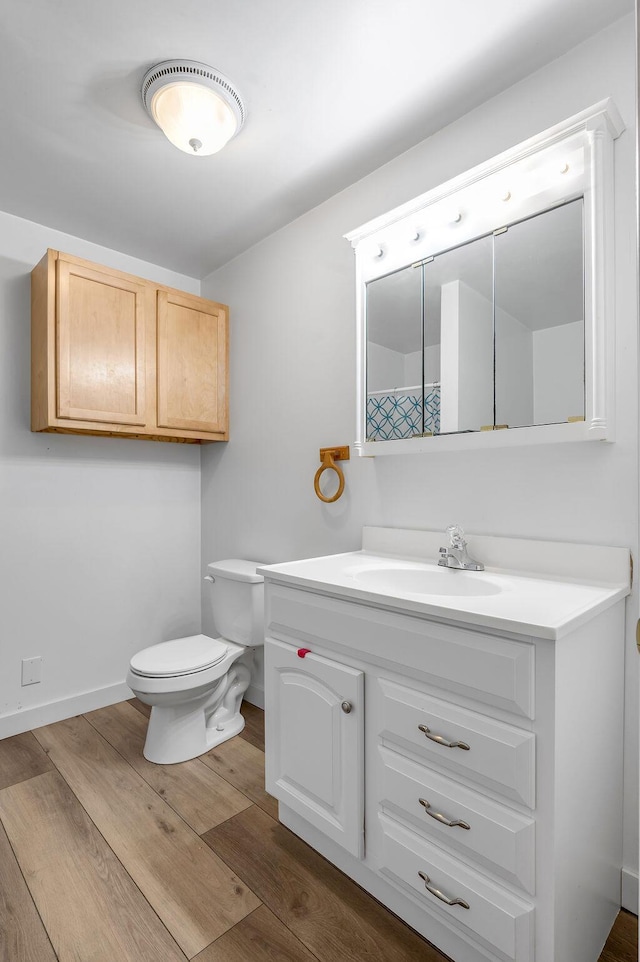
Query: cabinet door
[192, 363]
[314, 750]
[100, 335]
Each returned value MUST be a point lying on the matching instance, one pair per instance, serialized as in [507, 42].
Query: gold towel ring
[328, 464]
[329, 456]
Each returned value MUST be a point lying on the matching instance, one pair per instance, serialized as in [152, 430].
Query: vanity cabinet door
[315, 741]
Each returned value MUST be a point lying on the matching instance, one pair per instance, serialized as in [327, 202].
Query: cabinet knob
[346, 707]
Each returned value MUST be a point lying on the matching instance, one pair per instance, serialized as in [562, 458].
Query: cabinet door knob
[442, 741]
[346, 707]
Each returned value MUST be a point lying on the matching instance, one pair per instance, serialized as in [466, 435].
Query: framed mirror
[483, 305]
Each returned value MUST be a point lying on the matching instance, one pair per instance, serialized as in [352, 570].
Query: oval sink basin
[417, 581]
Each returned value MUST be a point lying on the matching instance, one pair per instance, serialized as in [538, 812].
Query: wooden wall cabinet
[118, 355]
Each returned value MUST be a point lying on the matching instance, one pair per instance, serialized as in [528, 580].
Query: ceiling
[333, 89]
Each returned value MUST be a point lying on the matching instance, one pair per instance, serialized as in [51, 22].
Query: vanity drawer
[503, 922]
[490, 752]
[488, 669]
[497, 837]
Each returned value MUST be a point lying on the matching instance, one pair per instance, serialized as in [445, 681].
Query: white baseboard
[255, 696]
[54, 711]
[630, 890]
[23, 721]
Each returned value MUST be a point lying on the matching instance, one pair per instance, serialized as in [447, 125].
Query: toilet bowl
[195, 685]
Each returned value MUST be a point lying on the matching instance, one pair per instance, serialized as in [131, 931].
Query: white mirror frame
[471, 205]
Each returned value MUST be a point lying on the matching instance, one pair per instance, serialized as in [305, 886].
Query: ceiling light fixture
[196, 107]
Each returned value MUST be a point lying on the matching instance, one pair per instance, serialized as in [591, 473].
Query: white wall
[514, 372]
[413, 368]
[432, 364]
[100, 537]
[385, 368]
[293, 374]
[558, 372]
[467, 359]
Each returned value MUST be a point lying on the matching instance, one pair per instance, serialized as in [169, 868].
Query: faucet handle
[456, 536]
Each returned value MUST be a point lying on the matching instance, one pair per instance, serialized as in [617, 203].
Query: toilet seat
[182, 656]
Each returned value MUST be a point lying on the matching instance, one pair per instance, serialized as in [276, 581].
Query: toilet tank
[237, 599]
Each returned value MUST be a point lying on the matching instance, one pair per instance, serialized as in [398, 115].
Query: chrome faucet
[455, 556]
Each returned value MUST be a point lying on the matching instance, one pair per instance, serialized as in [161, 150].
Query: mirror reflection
[459, 312]
[488, 334]
[539, 319]
[394, 356]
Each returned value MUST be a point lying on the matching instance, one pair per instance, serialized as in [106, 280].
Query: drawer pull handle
[440, 895]
[442, 741]
[346, 707]
[450, 823]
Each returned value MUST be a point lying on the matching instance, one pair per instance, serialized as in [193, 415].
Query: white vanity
[452, 740]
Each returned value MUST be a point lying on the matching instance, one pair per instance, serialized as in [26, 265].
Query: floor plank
[24, 936]
[261, 937]
[90, 906]
[140, 705]
[332, 916]
[178, 874]
[200, 796]
[242, 764]
[21, 757]
[253, 730]
[622, 944]
[66, 861]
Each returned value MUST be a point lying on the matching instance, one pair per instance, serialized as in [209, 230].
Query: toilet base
[220, 734]
[179, 732]
[171, 740]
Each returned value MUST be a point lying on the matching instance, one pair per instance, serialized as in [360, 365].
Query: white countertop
[545, 606]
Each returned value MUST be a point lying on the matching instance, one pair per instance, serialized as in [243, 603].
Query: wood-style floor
[105, 857]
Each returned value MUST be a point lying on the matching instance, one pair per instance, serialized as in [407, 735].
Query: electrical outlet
[31, 670]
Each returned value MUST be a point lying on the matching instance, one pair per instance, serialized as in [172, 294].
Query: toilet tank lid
[237, 570]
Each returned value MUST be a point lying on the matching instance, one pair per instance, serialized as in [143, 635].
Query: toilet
[195, 685]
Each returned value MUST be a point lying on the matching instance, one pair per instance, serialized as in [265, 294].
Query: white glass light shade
[198, 108]
[193, 118]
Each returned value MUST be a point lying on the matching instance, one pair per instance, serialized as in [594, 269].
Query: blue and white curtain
[397, 414]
